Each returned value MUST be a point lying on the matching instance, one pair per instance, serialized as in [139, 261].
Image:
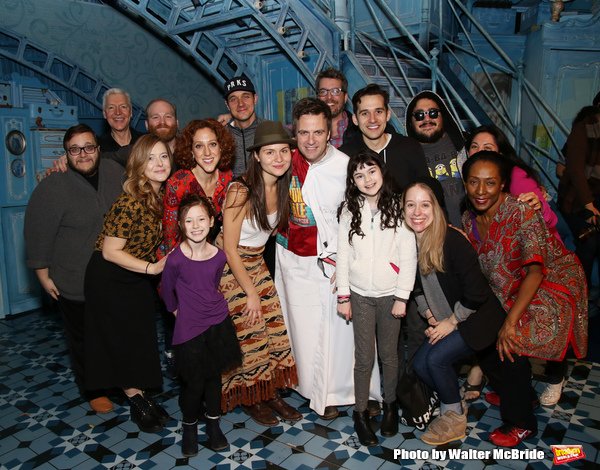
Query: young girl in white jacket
[375, 274]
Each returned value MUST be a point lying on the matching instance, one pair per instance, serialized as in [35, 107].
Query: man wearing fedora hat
[322, 341]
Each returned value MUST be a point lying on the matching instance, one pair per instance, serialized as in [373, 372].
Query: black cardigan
[462, 280]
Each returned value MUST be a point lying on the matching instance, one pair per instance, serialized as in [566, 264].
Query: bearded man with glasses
[429, 121]
[62, 221]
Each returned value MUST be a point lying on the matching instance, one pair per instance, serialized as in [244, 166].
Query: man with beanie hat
[241, 98]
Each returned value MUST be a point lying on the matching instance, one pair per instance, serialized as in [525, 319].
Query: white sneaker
[551, 394]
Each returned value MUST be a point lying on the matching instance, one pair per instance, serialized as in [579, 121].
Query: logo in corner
[567, 453]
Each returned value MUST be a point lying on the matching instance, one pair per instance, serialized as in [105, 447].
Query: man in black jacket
[402, 156]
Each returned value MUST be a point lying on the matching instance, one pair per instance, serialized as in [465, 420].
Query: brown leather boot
[262, 414]
[285, 411]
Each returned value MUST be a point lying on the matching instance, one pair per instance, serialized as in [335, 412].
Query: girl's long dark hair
[506, 150]
[389, 202]
[187, 202]
[254, 195]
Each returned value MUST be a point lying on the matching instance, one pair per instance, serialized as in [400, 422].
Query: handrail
[508, 114]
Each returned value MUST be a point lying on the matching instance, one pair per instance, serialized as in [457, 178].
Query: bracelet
[342, 297]
[147, 266]
[343, 301]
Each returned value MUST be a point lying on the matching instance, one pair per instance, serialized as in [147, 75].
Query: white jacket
[367, 266]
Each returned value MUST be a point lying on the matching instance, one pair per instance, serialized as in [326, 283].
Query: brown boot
[262, 414]
[285, 411]
[331, 412]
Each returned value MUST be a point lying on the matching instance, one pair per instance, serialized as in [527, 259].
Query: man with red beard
[62, 221]
[429, 121]
[161, 120]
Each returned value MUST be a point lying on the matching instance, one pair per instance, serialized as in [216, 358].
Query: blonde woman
[454, 297]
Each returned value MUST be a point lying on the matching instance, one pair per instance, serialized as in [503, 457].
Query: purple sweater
[192, 288]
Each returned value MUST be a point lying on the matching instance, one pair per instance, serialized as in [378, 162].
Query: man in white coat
[322, 341]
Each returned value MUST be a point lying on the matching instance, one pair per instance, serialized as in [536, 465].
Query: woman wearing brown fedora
[256, 205]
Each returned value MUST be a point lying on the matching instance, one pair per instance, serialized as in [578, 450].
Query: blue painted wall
[112, 47]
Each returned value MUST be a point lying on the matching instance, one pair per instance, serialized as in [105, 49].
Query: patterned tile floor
[45, 424]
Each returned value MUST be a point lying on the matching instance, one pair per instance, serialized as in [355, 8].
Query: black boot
[366, 436]
[216, 439]
[142, 415]
[189, 439]
[389, 423]
[158, 411]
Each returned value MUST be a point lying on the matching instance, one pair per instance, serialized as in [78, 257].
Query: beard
[91, 172]
[164, 133]
[429, 138]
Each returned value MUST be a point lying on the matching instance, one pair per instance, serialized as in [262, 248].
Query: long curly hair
[389, 202]
[184, 158]
[137, 184]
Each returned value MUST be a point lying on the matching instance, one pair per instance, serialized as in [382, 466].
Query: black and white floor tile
[44, 423]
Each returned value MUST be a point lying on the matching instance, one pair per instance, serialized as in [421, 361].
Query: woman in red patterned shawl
[204, 153]
[539, 282]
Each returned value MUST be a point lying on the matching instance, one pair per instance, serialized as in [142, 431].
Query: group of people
[367, 259]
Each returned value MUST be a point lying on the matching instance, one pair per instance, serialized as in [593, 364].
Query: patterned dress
[180, 184]
[556, 318]
[267, 360]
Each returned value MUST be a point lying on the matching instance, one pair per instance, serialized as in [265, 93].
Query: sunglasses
[432, 113]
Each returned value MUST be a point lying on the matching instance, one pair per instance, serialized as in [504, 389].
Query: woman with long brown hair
[121, 344]
[257, 204]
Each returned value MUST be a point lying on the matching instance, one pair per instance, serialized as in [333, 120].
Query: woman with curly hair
[204, 152]
[375, 274]
[121, 349]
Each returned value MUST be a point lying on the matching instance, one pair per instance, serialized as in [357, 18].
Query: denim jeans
[433, 363]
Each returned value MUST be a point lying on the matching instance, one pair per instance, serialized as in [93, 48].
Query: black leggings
[512, 381]
[192, 395]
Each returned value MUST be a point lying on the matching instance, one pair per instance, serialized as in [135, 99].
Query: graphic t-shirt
[441, 158]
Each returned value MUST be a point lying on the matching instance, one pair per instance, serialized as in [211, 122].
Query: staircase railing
[448, 52]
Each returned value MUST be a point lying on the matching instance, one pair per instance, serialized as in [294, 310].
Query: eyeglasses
[331, 91]
[432, 113]
[74, 151]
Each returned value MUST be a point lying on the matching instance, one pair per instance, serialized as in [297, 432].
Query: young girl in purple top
[204, 337]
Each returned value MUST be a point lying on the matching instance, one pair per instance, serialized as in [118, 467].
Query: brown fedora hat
[270, 132]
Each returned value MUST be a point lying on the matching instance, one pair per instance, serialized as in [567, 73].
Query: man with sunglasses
[402, 155]
[429, 121]
[62, 221]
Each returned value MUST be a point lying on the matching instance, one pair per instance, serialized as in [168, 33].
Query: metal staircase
[72, 84]
[231, 37]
